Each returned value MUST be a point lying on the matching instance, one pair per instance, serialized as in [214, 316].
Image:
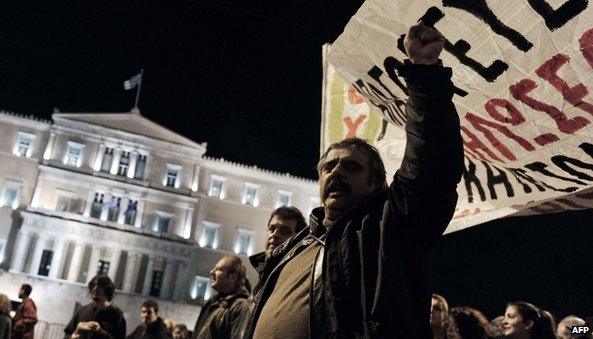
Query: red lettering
[353, 126]
[586, 44]
[475, 145]
[467, 213]
[515, 118]
[354, 97]
[479, 124]
[520, 90]
[546, 138]
[548, 71]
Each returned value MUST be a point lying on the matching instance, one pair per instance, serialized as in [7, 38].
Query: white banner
[523, 71]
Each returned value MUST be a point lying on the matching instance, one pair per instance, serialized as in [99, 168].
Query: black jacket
[155, 330]
[112, 321]
[371, 277]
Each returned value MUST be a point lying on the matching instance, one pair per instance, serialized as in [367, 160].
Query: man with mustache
[361, 269]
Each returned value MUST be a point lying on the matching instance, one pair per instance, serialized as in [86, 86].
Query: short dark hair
[238, 268]
[27, 289]
[149, 303]
[377, 178]
[471, 323]
[103, 282]
[290, 213]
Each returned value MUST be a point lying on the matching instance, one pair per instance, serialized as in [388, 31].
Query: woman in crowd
[526, 321]
[5, 321]
[467, 323]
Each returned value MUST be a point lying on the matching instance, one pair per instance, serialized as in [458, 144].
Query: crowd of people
[360, 268]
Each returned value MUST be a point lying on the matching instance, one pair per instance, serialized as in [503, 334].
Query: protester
[525, 320]
[220, 316]
[151, 325]
[439, 316]
[101, 318]
[564, 330]
[180, 332]
[467, 323]
[5, 321]
[496, 329]
[362, 267]
[26, 315]
[284, 222]
[169, 324]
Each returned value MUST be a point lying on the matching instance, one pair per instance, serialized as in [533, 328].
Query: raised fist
[423, 44]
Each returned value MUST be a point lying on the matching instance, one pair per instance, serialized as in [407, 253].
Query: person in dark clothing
[26, 315]
[284, 222]
[152, 326]
[220, 316]
[5, 321]
[362, 268]
[101, 319]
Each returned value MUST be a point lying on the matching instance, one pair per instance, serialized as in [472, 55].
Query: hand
[88, 326]
[423, 44]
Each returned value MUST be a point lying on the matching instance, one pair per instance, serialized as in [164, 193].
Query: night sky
[245, 76]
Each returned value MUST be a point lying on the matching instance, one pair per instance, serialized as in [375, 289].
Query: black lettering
[562, 161]
[469, 178]
[552, 208]
[521, 175]
[571, 204]
[540, 167]
[460, 49]
[376, 73]
[493, 180]
[557, 18]
[588, 148]
[391, 65]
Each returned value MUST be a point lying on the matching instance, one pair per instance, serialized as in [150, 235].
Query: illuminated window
[314, 202]
[124, 164]
[2, 249]
[107, 159]
[250, 195]
[74, 154]
[200, 289]
[217, 187]
[140, 167]
[284, 198]
[162, 221]
[156, 283]
[243, 244]
[97, 206]
[130, 212]
[24, 144]
[113, 208]
[171, 178]
[11, 195]
[209, 236]
[103, 267]
[45, 264]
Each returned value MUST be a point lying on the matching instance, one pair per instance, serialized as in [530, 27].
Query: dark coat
[221, 316]
[111, 320]
[24, 320]
[155, 330]
[5, 325]
[371, 278]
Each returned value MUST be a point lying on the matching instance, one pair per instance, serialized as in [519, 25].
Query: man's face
[21, 293]
[148, 315]
[98, 295]
[222, 281]
[438, 316]
[279, 229]
[343, 180]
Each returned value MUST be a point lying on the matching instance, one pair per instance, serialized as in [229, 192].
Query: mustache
[334, 185]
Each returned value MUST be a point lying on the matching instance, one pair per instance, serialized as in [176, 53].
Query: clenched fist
[423, 44]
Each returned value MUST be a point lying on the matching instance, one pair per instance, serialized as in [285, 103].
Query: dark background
[245, 76]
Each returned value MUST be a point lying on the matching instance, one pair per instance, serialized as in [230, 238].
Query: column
[57, 261]
[37, 192]
[132, 167]
[148, 276]
[147, 168]
[99, 158]
[93, 263]
[139, 213]
[123, 206]
[105, 210]
[195, 179]
[168, 276]
[50, 146]
[76, 262]
[115, 163]
[21, 251]
[180, 292]
[131, 272]
[36, 260]
[186, 231]
[89, 203]
[114, 263]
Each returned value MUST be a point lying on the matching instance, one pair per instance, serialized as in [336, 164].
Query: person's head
[228, 275]
[169, 324]
[101, 288]
[467, 323]
[5, 306]
[284, 222]
[149, 312]
[180, 332]
[496, 326]
[25, 291]
[439, 310]
[525, 320]
[565, 326]
[349, 171]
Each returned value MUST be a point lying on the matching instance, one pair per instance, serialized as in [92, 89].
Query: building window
[103, 267]
[124, 164]
[209, 236]
[113, 208]
[107, 160]
[74, 154]
[130, 212]
[216, 187]
[156, 283]
[97, 206]
[250, 195]
[67, 202]
[243, 244]
[200, 289]
[140, 167]
[11, 195]
[45, 264]
[23, 147]
[172, 176]
[162, 222]
[284, 198]
[313, 203]
[2, 249]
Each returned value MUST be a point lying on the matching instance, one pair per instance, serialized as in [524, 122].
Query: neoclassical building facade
[118, 194]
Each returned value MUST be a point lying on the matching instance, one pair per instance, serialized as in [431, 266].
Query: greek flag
[133, 81]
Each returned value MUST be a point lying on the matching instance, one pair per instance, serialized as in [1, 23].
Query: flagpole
[138, 91]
